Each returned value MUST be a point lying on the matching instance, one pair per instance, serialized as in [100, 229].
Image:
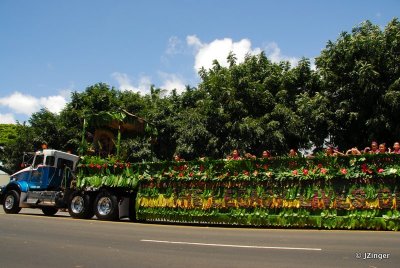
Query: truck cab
[42, 184]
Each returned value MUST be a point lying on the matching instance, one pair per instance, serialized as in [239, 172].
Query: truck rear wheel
[106, 206]
[11, 202]
[49, 211]
[80, 205]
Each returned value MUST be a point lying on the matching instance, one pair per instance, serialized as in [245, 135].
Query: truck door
[37, 175]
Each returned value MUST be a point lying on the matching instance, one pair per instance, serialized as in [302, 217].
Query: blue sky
[50, 48]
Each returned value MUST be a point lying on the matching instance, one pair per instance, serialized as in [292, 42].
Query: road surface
[30, 239]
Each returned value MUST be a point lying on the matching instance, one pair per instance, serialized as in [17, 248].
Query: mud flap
[123, 207]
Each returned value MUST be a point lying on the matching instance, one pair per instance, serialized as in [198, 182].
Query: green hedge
[358, 192]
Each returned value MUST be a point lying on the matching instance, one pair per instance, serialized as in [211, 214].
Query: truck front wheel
[80, 206]
[106, 206]
[11, 202]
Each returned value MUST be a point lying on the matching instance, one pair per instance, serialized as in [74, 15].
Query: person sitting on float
[382, 148]
[234, 156]
[353, 151]
[177, 158]
[396, 148]
[249, 156]
[266, 154]
[293, 153]
[331, 151]
[374, 149]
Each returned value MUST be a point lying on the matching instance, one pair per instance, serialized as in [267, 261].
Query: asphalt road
[32, 240]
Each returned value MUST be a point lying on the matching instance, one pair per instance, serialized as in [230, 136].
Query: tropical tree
[251, 105]
[12, 153]
[360, 75]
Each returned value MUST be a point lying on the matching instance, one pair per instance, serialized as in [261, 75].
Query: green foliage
[12, 152]
[8, 132]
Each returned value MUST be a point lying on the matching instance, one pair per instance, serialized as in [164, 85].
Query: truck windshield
[38, 161]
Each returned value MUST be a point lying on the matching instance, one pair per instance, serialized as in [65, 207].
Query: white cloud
[174, 46]
[171, 82]
[273, 53]
[219, 50]
[125, 83]
[194, 41]
[206, 53]
[312, 64]
[7, 118]
[26, 104]
[21, 103]
[53, 103]
[168, 82]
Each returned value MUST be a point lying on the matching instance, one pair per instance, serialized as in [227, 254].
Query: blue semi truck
[49, 183]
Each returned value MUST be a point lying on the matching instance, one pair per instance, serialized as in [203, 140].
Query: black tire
[11, 202]
[106, 206]
[80, 205]
[49, 211]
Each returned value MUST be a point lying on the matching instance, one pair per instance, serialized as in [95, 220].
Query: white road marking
[227, 245]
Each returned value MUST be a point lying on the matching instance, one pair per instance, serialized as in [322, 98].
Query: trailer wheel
[106, 206]
[49, 211]
[80, 205]
[11, 202]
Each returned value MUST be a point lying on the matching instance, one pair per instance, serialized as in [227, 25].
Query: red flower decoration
[305, 171]
[295, 172]
[343, 171]
[324, 170]
[380, 170]
[98, 166]
[319, 165]
[365, 169]
[91, 165]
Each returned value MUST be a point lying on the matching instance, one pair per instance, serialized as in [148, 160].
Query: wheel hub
[104, 206]
[9, 202]
[77, 204]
